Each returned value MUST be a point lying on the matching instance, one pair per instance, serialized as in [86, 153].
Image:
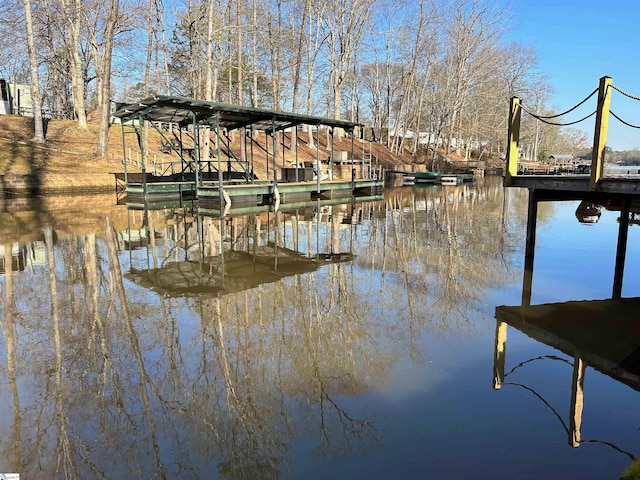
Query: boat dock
[600, 333]
[209, 170]
[622, 191]
[599, 183]
[429, 177]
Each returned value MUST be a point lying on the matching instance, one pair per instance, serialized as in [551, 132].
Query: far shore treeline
[439, 67]
[625, 157]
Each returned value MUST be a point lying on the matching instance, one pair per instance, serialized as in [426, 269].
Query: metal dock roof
[184, 111]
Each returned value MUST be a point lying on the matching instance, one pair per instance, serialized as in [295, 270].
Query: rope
[633, 97]
[553, 410]
[543, 357]
[540, 117]
[622, 121]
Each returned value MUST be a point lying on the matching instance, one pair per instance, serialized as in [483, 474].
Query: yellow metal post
[512, 142]
[600, 134]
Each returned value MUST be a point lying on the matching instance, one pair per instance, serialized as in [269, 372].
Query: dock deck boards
[578, 185]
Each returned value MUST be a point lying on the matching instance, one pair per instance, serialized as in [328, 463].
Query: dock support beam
[621, 251]
[275, 165]
[216, 126]
[252, 163]
[124, 157]
[353, 153]
[600, 133]
[143, 165]
[515, 111]
[297, 161]
[318, 169]
[196, 148]
[529, 253]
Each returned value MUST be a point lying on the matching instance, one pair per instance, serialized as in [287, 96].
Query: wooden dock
[597, 187]
[601, 333]
[577, 187]
[598, 184]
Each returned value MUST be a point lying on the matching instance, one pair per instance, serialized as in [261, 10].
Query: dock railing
[602, 112]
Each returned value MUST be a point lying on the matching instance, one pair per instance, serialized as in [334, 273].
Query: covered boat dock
[212, 172]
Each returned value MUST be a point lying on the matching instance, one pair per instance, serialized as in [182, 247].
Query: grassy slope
[72, 150]
[68, 149]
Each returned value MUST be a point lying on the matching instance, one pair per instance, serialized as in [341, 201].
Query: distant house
[560, 157]
[16, 99]
[562, 160]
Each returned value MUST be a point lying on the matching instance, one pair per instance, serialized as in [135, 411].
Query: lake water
[350, 341]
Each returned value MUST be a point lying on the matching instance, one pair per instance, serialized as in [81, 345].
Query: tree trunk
[243, 153]
[73, 14]
[165, 62]
[35, 78]
[254, 54]
[105, 84]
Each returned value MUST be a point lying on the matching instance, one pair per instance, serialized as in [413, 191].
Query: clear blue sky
[579, 41]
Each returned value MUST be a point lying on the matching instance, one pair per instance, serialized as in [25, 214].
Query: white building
[16, 99]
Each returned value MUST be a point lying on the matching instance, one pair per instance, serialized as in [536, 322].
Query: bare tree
[409, 78]
[73, 16]
[469, 38]
[104, 67]
[299, 50]
[38, 136]
[343, 24]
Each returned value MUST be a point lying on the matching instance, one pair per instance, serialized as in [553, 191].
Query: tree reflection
[118, 381]
[9, 333]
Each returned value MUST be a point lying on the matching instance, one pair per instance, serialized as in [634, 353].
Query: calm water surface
[335, 341]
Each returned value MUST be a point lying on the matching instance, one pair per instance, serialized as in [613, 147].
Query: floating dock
[270, 193]
[222, 176]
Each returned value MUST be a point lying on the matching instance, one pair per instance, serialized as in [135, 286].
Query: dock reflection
[221, 252]
[601, 334]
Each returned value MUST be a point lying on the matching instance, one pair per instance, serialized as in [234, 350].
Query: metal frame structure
[193, 114]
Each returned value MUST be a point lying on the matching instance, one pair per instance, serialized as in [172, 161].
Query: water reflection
[601, 334]
[173, 343]
[588, 212]
[233, 253]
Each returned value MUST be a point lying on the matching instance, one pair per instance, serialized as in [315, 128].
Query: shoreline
[52, 183]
